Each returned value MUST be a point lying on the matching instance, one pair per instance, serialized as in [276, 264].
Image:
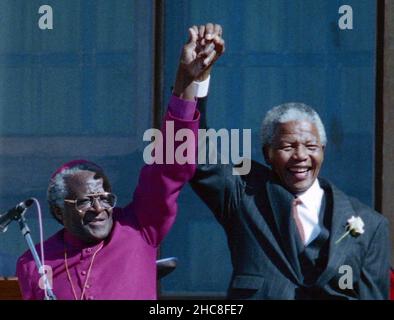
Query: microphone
[14, 214]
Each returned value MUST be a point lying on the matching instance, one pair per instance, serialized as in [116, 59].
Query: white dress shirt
[308, 211]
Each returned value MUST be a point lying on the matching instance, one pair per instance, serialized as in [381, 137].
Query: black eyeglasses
[106, 200]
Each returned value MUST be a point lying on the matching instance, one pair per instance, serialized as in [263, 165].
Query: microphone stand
[26, 234]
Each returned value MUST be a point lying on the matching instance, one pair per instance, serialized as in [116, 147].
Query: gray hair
[57, 189]
[292, 111]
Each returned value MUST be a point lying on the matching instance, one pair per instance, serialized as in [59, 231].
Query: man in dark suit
[291, 234]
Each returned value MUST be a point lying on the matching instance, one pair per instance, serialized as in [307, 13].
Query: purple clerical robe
[124, 267]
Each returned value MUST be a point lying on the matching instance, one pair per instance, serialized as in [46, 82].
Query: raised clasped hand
[204, 47]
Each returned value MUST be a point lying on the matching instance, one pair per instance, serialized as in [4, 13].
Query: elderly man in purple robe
[107, 252]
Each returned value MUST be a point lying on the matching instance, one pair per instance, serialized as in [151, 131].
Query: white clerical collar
[312, 197]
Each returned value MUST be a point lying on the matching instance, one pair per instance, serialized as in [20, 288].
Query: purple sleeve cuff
[182, 109]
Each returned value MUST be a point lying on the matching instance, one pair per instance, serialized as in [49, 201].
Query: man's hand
[204, 47]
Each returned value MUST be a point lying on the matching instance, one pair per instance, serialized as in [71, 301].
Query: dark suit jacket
[254, 211]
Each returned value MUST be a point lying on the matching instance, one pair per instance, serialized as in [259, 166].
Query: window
[81, 90]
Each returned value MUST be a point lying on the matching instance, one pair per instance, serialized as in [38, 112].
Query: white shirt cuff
[201, 87]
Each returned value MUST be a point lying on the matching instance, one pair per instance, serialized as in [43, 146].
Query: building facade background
[92, 85]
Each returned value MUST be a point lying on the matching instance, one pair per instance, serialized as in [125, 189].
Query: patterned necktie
[297, 220]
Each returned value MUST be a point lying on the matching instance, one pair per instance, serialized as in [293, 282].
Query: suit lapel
[281, 204]
[342, 210]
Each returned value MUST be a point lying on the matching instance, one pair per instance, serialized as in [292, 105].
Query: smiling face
[94, 224]
[296, 154]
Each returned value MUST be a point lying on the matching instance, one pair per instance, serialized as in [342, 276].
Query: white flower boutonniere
[354, 226]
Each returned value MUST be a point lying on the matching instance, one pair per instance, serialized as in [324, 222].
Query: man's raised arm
[155, 198]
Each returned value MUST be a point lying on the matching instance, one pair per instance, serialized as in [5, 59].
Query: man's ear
[267, 152]
[58, 213]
